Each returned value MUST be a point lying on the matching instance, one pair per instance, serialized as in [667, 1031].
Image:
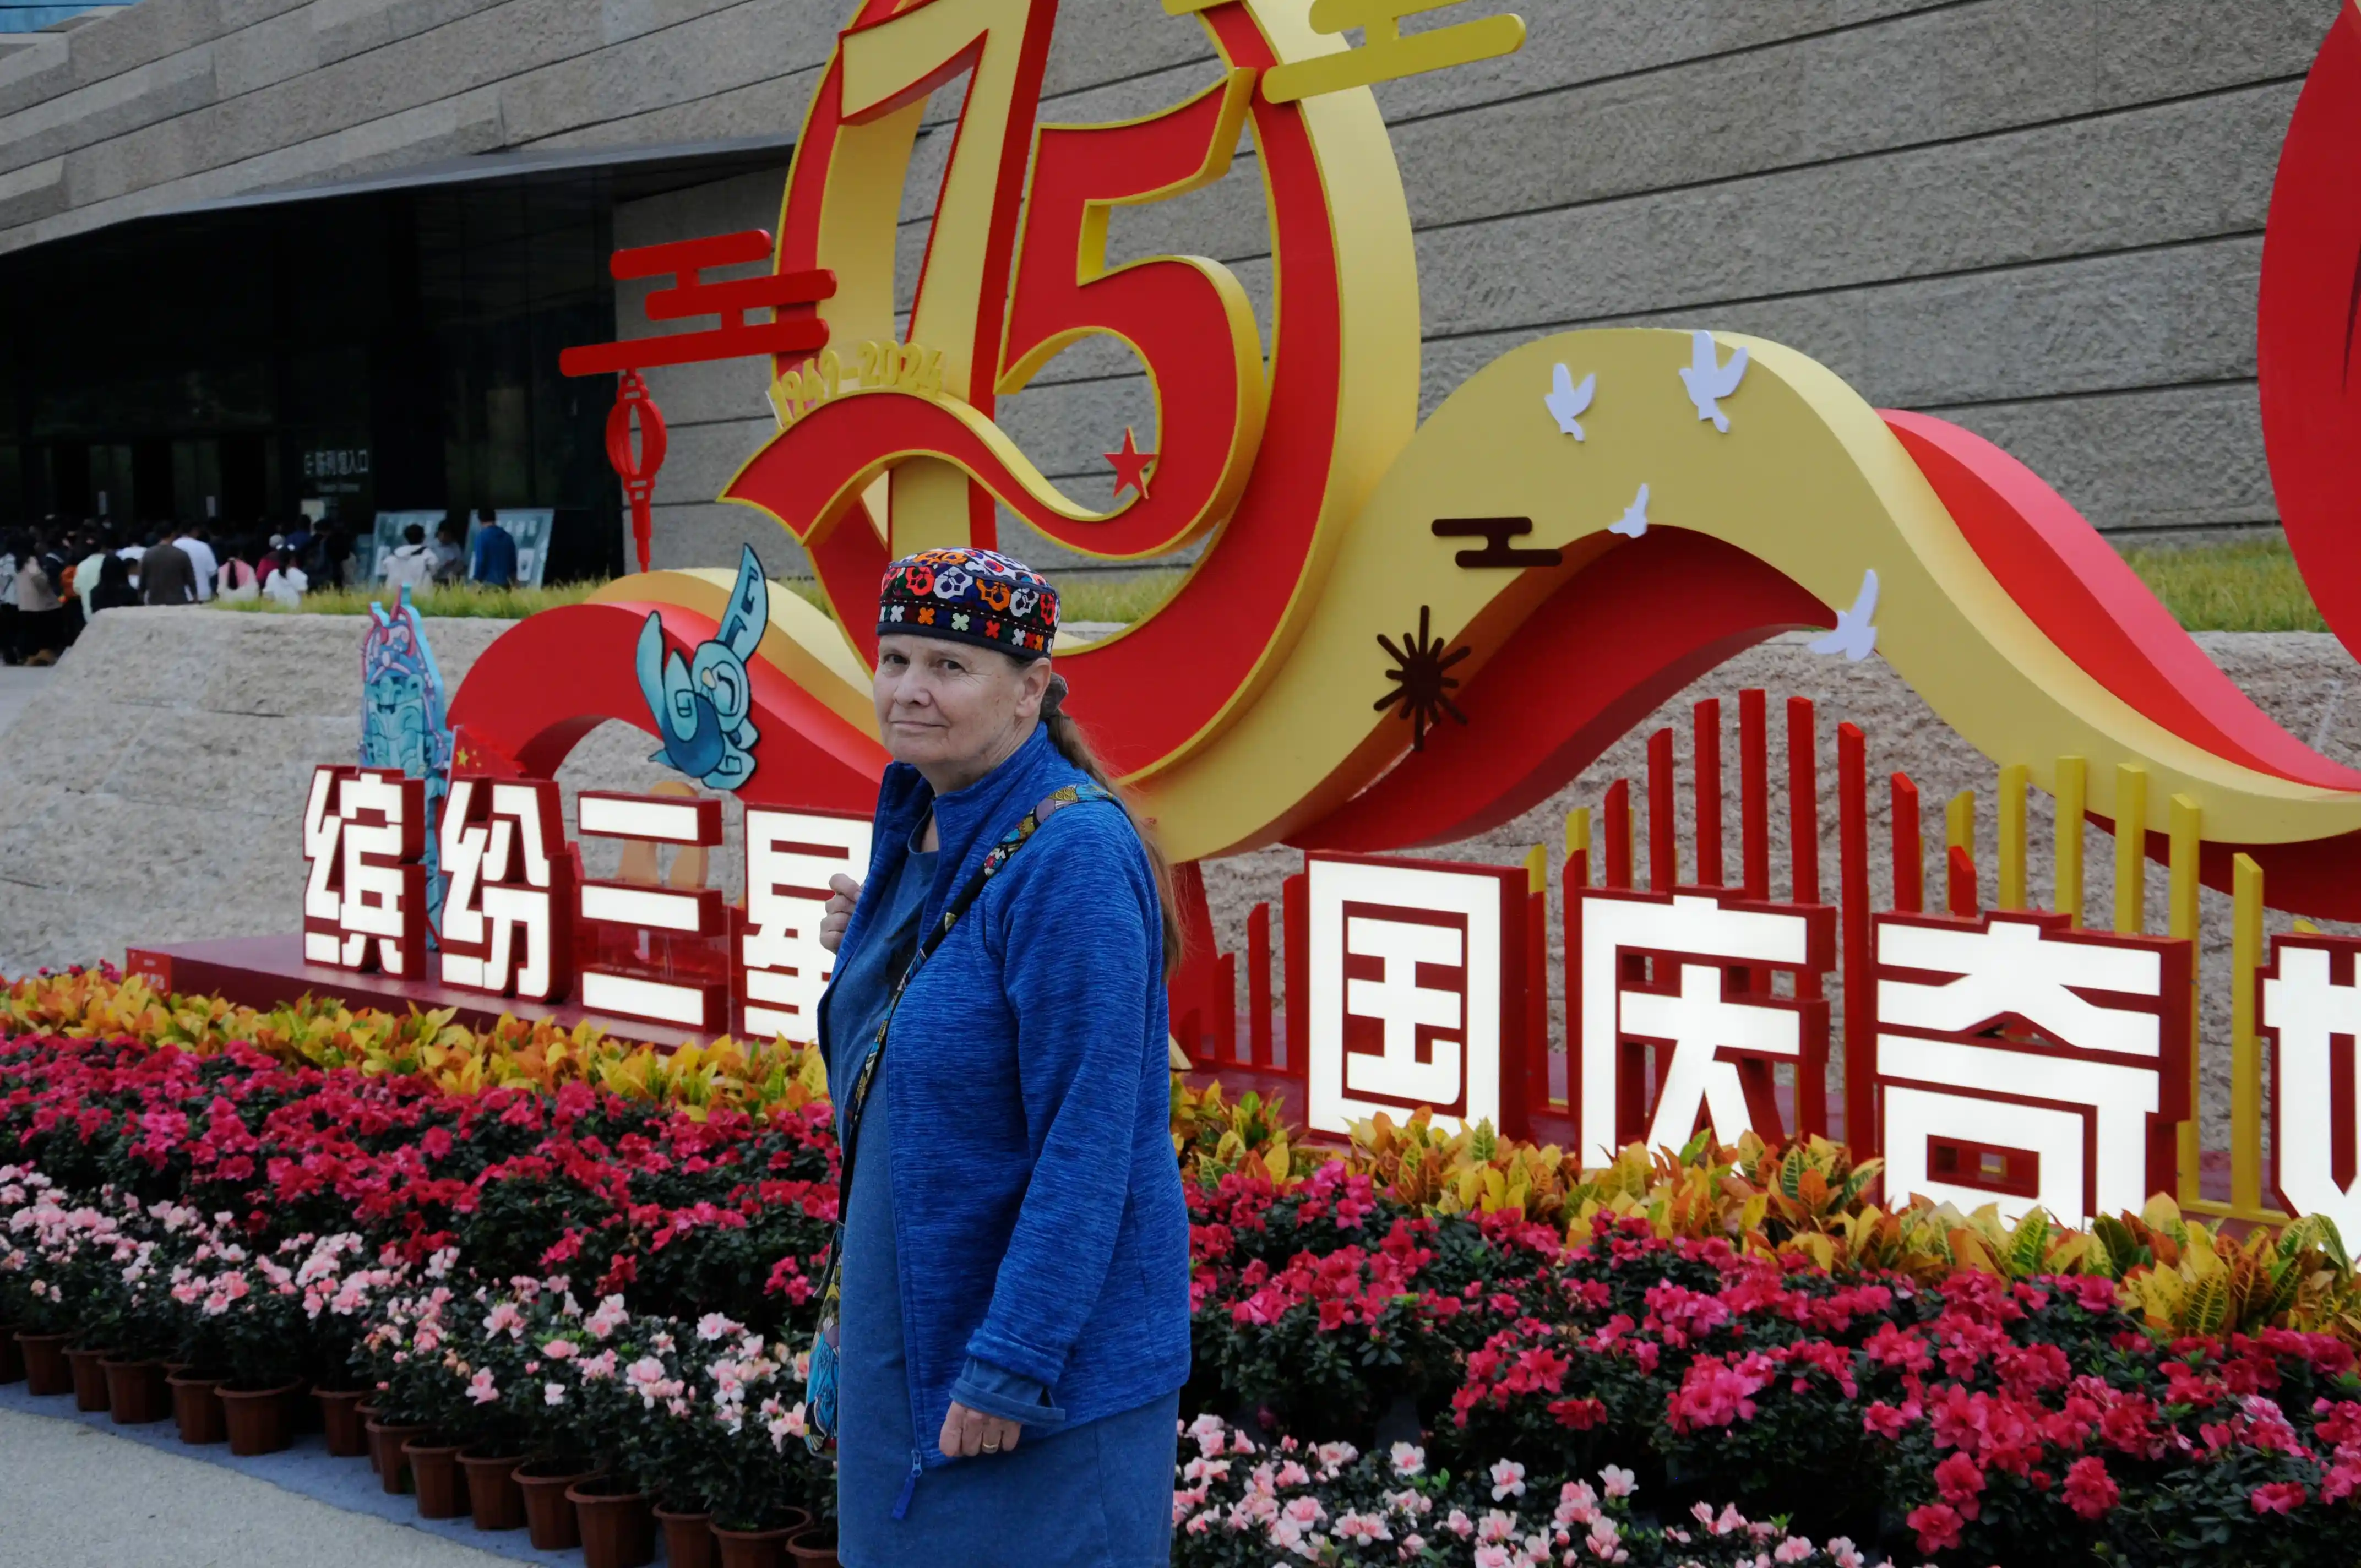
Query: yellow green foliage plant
[427, 1044]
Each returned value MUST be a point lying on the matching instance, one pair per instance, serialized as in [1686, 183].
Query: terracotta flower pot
[45, 1371]
[197, 1407]
[549, 1519]
[258, 1418]
[758, 1548]
[434, 1472]
[89, 1377]
[385, 1452]
[493, 1496]
[136, 1392]
[12, 1362]
[340, 1418]
[619, 1529]
[688, 1539]
[813, 1548]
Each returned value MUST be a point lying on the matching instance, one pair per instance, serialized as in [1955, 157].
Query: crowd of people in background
[56, 578]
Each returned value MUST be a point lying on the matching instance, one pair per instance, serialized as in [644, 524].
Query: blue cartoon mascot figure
[702, 704]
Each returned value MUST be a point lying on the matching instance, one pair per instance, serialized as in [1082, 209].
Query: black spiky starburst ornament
[1422, 682]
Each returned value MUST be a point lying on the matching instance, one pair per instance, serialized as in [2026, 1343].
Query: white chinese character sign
[2310, 1009]
[1416, 992]
[654, 959]
[1686, 978]
[509, 907]
[365, 898]
[2021, 1062]
[782, 968]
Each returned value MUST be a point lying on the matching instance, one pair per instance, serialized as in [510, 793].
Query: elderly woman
[1011, 1331]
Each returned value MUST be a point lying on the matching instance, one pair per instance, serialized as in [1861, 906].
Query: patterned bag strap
[1071, 795]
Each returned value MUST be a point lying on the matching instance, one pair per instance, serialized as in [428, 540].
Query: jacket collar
[969, 822]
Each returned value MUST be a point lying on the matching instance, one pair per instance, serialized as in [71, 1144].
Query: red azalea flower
[1937, 1525]
[2278, 1497]
[1887, 1420]
[1960, 1480]
[1577, 1415]
[2089, 1490]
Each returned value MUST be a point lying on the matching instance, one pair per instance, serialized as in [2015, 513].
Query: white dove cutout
[1570, 403]
[1634, 521]
[1855, 636]
[1709, 381]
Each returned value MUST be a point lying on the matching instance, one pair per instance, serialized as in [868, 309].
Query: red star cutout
[1130, 466]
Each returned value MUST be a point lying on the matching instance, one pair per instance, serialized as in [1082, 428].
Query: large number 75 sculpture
[1521, 578]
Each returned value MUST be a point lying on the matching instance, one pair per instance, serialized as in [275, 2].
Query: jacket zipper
[909, 1486]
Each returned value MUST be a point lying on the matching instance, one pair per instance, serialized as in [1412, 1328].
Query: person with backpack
[409, 564]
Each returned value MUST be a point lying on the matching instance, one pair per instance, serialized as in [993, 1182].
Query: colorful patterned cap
[970, 595]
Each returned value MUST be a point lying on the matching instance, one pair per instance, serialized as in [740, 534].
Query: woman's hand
[967, 1433]
[844, 893]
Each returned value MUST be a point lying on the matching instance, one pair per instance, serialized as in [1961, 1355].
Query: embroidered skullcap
[970, 595]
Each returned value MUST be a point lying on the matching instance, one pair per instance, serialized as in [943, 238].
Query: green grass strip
[2252, 585]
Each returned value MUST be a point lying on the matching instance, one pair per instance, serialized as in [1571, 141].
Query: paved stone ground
[76, 1497]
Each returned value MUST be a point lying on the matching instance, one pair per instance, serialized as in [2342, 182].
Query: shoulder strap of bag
[1072, 794]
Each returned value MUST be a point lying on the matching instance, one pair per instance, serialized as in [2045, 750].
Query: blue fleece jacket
[1038, 1211]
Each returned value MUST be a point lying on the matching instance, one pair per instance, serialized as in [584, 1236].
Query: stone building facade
[2039, 218]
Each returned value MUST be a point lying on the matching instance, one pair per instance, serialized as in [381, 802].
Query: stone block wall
[2040, 218]
[154, 790]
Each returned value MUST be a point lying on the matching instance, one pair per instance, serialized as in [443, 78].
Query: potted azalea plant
[342, 1288]
[200, 1289]
[428, 1389]
[769, 1486]
[396, 1361]
[708, 1417]
[546, 1394]
[634, 1396]
[133, 1311]
[493, 1337]
[260, 1338]
[70, 1259]
[32, 1304]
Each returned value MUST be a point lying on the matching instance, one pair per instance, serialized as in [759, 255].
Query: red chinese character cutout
[364, 899]
[654, 959]
[782, 968]
[1689, 977]
[2310, 1008]
[508, 909]
[1417, 991]
[2021, 1062]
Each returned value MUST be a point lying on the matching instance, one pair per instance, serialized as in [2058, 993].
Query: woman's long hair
[1075, 747]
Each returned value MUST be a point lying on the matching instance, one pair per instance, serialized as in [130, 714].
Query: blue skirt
[1094, 1496]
